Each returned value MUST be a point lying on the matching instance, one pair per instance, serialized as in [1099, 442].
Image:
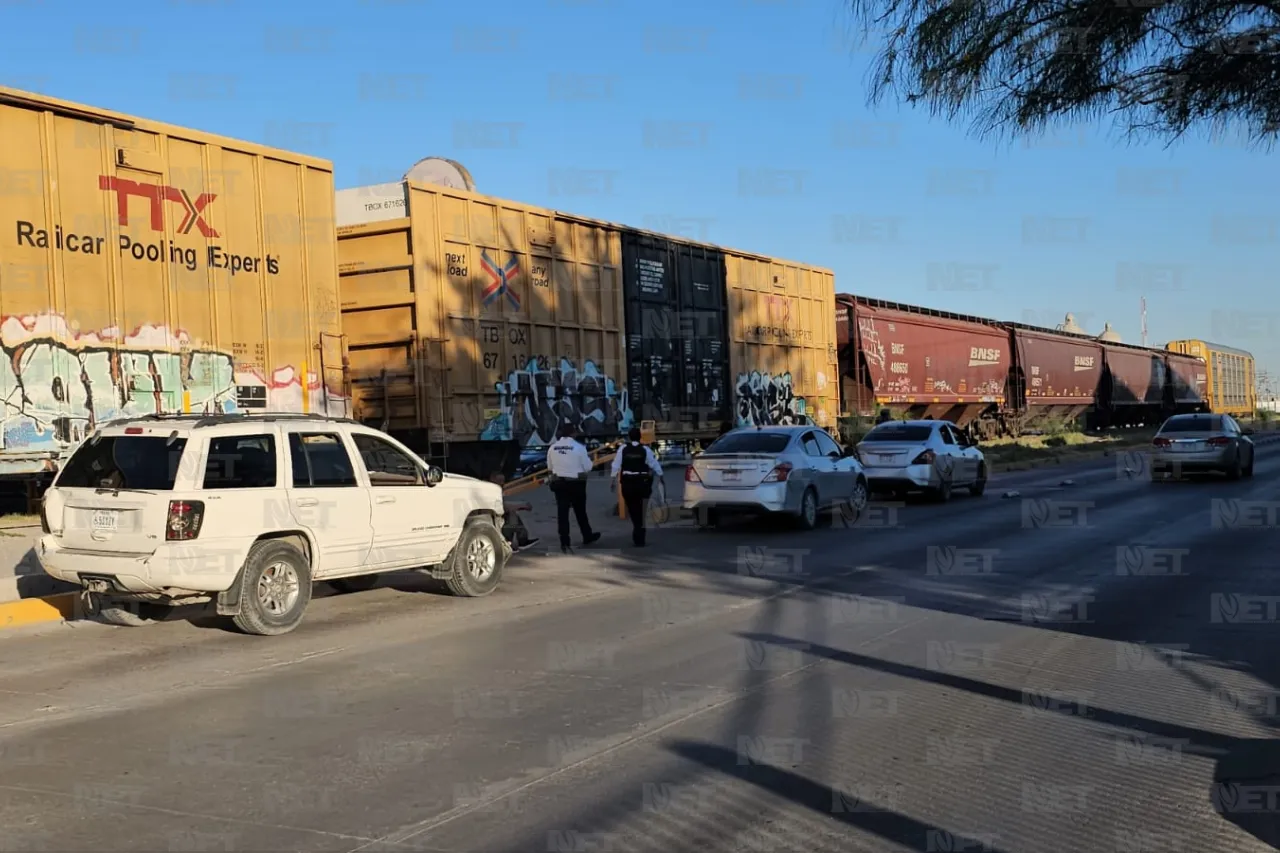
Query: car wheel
[127, 614]
[1234, 472]
[980, 485]
[942, 494]
[808, 515]
[476, 564]
[1248, 472]
[857, 503]
[275, 589]
[359, 583]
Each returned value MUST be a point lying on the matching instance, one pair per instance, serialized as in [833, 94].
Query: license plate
[887, 457]
[731, 475]
[1189, 447]
[104, 521]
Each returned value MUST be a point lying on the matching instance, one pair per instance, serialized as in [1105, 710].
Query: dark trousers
[635, 491]
[513, 529]
[571, 495]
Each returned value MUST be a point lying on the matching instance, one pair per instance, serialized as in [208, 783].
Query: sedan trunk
[734, 470]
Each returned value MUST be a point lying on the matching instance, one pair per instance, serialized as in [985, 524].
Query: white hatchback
[248, 511]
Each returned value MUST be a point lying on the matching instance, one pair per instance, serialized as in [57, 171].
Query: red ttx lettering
[157, 195]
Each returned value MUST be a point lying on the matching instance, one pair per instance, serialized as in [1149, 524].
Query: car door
[819, 465]
[950, 460]
[401, 503]
[1244, 449]
[843, 468]
[328, 501]
[967, 456]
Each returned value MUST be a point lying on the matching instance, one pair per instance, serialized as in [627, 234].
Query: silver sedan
[795, 470]
[1187, 444]
[922, 456]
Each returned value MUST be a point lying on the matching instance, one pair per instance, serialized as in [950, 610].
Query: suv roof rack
[203, 420]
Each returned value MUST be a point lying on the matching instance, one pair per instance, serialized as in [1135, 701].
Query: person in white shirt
[637, 466]
[569, 464]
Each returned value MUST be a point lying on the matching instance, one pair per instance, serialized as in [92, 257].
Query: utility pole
[1144, 321]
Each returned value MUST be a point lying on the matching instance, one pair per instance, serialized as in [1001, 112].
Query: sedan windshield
[750, 442]
[1208, 423]
[899, 433]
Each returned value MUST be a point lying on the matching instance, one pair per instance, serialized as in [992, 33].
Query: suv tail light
[779, 474]
[1162, 442]
[691, 475]
[1219, 441]
[185, 518]
[44, 519]
[925, 458]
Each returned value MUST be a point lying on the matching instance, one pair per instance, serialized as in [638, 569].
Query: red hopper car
[999, 377]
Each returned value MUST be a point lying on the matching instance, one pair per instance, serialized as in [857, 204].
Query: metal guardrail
[602, 455]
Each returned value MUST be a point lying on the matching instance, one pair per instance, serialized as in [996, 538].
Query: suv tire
[275, 589]
[476, 564]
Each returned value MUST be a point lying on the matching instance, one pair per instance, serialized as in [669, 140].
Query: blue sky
[740, 122]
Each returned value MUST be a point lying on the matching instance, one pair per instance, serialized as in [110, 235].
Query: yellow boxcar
[784, 330]
[1230, 386]
[477, 319]
[148, 268]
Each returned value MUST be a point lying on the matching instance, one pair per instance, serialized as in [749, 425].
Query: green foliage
[1157, 67]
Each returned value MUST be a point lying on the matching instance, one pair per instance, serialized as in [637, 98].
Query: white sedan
[922, 456]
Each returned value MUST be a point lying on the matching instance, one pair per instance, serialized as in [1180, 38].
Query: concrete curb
[65, 606]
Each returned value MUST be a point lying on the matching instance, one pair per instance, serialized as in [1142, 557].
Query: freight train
[151, 268]
[1006, 378]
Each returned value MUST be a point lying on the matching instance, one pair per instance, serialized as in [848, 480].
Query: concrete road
[1090, 667]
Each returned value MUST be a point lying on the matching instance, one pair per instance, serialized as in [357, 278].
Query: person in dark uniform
[637, 466]
[885, 417]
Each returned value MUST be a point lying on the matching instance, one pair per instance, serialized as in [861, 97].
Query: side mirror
[1246, 431]
[434, 475]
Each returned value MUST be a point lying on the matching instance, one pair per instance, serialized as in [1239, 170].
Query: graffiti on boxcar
[767, 400]
[58, 383]
[535, 401]
[872, 347]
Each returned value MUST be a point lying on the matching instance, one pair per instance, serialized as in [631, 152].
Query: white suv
[248, 510]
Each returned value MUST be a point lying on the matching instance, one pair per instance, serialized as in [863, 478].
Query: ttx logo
[157, 195]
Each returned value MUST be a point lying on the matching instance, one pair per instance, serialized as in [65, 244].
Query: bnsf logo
[157, 195]
[984, 354]
[1084, 361]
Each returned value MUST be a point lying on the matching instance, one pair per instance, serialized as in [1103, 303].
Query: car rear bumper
[903, 477]
[171, 569]
[770, 497]
[1205, 460]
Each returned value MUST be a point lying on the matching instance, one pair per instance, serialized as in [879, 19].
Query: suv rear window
[750, 442]
[320, 460]
[124, 462]
[899, 433]
[1208, 423]
[241, 462]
